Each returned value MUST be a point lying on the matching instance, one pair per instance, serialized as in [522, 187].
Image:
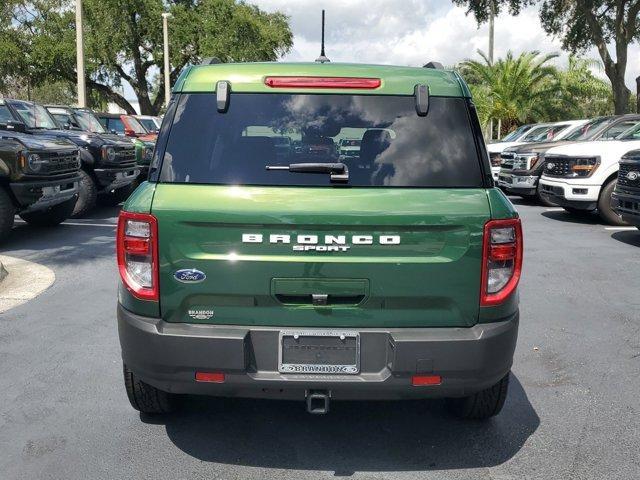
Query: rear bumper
[167, 355]
[40, 195]
[583, 197]
[111, 178]
[627, 206]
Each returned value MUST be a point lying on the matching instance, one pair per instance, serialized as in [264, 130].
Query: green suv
[388, 275]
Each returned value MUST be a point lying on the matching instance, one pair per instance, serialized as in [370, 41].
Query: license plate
[319, 351]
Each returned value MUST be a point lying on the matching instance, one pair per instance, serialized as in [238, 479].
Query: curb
[3, 272]
[23, 281]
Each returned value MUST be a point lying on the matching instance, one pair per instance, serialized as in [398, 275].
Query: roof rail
[436, 65]
[210, 61]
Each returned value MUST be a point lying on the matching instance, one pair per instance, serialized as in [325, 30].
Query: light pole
[82, 92]
[167, 81]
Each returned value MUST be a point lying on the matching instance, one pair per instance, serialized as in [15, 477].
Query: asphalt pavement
[573, 409]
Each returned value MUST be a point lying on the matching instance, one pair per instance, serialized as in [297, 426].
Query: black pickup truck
[38, 179]
[108, 162]
[625, 199]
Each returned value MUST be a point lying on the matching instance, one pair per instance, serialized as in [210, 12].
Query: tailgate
[320, 257]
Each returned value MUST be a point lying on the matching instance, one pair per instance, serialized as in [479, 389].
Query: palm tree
[518, 87]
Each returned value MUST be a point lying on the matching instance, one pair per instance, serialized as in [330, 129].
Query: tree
[517, 87]
[123, 41]
[583, 24]
[586, 23]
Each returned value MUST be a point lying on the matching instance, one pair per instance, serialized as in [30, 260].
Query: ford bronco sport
[38, 179]
[389, 275]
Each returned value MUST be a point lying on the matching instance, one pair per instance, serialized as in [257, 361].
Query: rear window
[397, 147]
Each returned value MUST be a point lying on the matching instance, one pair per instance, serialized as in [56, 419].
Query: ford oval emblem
[189, 275]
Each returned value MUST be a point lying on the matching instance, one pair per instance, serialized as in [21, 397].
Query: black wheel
[7, 212]
[608, 214]
[87, 196]
[483, 404]
[145, 398]
[543, 200]
[52, 216]
[117, 196]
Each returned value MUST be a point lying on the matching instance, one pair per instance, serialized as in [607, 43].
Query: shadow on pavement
[587, 218]
[62, 244]
[353, 437]
[628, 236]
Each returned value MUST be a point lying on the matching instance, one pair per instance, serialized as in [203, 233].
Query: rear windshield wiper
[338, 171]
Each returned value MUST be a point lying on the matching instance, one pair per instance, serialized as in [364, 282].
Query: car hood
[37, 142]
[536, 147]
[500, 146]
[603, 148]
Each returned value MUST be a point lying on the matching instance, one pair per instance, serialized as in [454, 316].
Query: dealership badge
[200, 314]
[633, 176]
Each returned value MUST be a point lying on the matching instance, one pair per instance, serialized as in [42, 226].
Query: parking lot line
[555, 209]
[620, 228]
[81, 224]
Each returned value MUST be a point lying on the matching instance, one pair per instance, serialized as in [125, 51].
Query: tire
[87, 196]
[7, 212]
[483, 404]
[608, 214]
[146, 398]
[117, 196]
[542, 200]
[52, 216]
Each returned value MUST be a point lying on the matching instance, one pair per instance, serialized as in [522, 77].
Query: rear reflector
[422, 380]
[323, 82]
[211, 377]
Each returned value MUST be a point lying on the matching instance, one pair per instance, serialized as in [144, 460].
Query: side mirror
[67, 126]
[13, 126]
[129, 133]
[113, 131]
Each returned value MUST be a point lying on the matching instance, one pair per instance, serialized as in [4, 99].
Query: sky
[413, 32]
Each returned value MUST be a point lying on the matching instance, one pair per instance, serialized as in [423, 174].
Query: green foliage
[583, 24]
[527, 88]
[124, 42]
[516, 88]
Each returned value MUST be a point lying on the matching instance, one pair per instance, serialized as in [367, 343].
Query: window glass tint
[631, 134]
[116, 125]
[34, 115]
[64, 119]
[587, 130]
[148, 124]
[515, 134]
[619, 128]
[88, 122]
[5, 114]
[396, 147]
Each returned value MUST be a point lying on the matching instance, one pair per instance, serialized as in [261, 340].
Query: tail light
[137, 252]
[501, 260]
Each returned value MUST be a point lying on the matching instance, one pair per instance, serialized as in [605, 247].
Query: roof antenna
[322, 58]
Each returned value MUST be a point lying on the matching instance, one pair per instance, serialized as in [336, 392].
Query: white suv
[581, 176]
[543, 132]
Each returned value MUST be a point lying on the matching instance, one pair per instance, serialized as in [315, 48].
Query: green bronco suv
[388, 275]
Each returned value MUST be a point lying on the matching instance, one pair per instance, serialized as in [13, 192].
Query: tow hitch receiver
[318, 401]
